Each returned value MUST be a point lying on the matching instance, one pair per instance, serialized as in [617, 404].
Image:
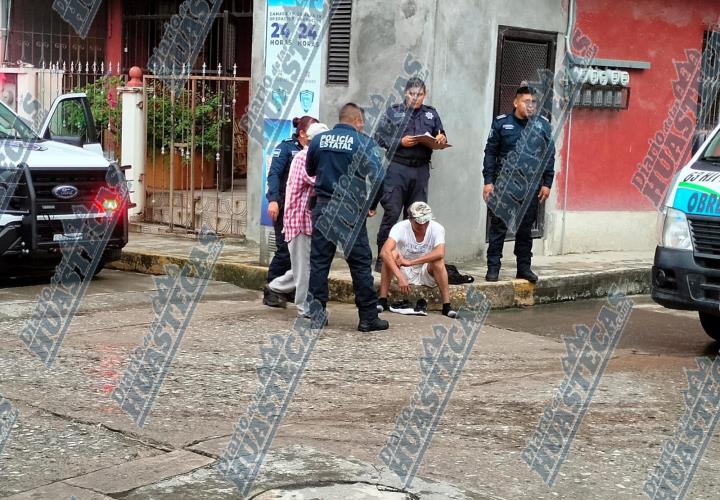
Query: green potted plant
[170, 127]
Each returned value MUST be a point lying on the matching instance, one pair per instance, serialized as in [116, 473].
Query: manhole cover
[356, 491]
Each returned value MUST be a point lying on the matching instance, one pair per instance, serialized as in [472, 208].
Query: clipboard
[429, 141]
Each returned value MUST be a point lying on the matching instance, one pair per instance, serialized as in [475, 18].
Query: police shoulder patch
[500, 117]
[545, 118]
[276, 152]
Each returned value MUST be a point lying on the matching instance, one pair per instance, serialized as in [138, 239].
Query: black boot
[492, 273]
[373, 324]
[525, 273]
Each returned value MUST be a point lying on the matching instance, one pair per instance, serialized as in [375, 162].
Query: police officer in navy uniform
[504, 135]
[329, 158]
[408, 174]
[277, 179]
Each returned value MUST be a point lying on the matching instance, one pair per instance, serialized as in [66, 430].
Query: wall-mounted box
[602, 97]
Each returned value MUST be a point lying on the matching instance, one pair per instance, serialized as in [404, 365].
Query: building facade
[614, 157]
[477, 52]
[458, 44]
[615, 165]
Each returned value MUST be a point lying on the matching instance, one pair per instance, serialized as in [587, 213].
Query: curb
[502, 294]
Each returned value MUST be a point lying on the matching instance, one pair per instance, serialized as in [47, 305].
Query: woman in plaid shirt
[298, 227]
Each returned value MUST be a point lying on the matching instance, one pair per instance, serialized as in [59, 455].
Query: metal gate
[520, 54]
[196, 166]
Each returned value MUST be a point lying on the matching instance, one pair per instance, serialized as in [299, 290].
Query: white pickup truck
[42, 177]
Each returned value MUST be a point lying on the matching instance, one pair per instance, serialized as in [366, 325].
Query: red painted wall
[606, 146]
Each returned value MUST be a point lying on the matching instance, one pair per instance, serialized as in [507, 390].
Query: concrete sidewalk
[565, 277]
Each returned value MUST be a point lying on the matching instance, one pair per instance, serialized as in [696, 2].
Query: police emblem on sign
[429, 115]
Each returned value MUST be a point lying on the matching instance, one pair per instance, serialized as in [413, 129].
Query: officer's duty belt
[411, 162]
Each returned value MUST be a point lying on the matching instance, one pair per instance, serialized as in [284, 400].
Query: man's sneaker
[273, 299]
[401, 307]
[401, 304]
[372, 325]
[290, 296]
[492, 274]
[405, 307]
[527, 274]
[421, 306]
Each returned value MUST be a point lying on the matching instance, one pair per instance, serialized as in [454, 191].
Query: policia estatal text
[329, 158]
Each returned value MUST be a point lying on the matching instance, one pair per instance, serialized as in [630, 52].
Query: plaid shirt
[297, 218]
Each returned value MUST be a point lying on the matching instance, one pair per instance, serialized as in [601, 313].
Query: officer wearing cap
[505, 133]
[408, 173]
[330, 158]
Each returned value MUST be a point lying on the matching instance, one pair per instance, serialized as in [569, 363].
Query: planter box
[157, 172]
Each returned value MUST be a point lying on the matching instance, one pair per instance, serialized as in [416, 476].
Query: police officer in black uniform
[504, 135]
[408, 174]
[330, 157]
[277, 180]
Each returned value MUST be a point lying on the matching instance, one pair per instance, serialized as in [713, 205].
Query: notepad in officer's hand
[429, 141]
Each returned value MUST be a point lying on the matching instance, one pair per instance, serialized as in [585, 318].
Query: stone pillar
[134, 140]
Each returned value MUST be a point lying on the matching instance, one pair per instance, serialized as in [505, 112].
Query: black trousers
[322, 252]
[280, 263]
[402, 187]
[523, 238]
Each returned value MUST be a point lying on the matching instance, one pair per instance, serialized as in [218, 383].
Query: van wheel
[711, 324]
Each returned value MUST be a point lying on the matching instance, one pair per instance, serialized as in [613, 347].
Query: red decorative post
[135, 77]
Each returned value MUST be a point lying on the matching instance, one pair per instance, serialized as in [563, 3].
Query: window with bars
[708, 115]
[229, 41]
[338, 60]
[39, 36]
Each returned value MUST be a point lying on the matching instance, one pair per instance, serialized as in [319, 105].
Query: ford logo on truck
[65, 192]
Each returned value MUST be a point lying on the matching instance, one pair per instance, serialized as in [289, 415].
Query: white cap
[421, 212]
[315, 129]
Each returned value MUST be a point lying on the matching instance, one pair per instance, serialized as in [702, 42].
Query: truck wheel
[711, 324]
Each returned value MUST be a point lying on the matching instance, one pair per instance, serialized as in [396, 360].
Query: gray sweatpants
[298, 277]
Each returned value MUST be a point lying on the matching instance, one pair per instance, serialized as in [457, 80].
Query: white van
[686, 272]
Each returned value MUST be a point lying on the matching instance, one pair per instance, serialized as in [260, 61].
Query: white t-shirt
[409, 247]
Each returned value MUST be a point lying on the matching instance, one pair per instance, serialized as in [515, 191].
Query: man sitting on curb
[415, 254]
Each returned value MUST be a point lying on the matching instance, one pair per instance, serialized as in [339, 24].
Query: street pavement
[70, 439]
